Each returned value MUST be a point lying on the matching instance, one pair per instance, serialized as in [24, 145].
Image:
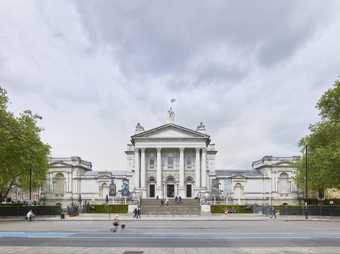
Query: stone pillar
[142, 162]
[197, 169]
[181, 173]
[159, 174]
[204, 168]
[137, 176]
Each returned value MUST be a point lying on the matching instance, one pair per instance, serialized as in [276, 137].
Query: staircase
[187, 207]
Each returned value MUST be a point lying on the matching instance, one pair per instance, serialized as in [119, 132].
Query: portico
[166, 173]
[170, 161]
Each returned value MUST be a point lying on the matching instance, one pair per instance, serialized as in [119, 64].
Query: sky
[251, 71]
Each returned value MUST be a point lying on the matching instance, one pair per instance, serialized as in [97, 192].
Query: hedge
[107, 209]
[22, 210]
[238, 208]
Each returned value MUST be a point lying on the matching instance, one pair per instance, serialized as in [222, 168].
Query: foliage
[323, 142]
[238, 208]
[21, 149]
[108, 208]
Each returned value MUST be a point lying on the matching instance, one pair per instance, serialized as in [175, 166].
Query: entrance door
[152, 191]
[170, 191]
[189, 191]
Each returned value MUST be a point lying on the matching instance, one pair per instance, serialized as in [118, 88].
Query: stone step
[187, 206]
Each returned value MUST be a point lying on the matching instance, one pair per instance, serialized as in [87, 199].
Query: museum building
[171, 160]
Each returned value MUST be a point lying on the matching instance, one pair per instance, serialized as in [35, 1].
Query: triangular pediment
[59, 164]
[284, 164]
[170, 131]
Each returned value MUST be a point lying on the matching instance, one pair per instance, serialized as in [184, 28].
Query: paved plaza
[171, 236]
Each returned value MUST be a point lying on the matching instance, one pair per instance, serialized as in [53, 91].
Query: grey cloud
[162, 37]
[247, 69]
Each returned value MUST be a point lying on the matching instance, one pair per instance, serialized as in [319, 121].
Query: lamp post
[30, 178]
[306, 182]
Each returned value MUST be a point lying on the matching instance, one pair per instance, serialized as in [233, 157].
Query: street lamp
[306, 183]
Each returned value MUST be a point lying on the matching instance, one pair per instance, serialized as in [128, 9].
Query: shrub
[108, 209]
[238, 208]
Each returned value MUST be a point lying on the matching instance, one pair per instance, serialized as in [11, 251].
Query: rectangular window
[152, 163]
[189, 163]
[170, 162]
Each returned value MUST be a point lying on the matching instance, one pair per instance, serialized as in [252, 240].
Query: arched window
[152, 179]
[170, 179]
[283, 183]
[238, 191]
[189, 179]
[103, 190]
[59, 183]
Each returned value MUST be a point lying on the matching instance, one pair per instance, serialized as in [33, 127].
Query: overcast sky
[252, 71]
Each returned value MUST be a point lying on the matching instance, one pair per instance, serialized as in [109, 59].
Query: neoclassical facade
[167, 161]
[170, 161]
[71, 179]
[269, 182]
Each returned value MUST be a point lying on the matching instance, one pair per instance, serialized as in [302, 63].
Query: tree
[21, 149]
[323, 143]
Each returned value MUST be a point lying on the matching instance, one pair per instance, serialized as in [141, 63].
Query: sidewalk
[205, 217]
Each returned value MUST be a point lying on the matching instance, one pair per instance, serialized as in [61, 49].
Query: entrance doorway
[170, 190]
[152, 191]
[189, 191]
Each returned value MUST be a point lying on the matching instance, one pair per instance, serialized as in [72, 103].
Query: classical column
[204, 168]
[142, 162]
[137, 176]
[159, 172]
[197, 169]
[181, 172]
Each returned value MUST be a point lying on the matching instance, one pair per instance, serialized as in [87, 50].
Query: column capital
[159, 149]
[136, 149]
[181, 149]
[204, 149]
[197, 149]
[142, 149]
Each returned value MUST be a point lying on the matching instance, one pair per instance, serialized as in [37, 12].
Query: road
[172, 234]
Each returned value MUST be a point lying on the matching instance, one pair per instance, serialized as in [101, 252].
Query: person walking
[135, 213]
[167, 202]
[273, 212]
[138, 213]
[115, 224]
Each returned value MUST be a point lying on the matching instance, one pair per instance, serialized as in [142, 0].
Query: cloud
[250, 70]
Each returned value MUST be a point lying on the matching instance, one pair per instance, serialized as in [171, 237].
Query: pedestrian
[29, 215]
[180, 199]
[167, 202]
[274, 212]
[115, 224]
[135, 213]
[138, 213]
[176, 200]
[162, 202]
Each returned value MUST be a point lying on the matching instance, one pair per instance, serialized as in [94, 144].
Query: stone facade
[168, 161]
[269, 182]
[71, 179]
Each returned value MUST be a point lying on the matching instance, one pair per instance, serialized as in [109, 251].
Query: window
[284, 184]
[189, 162]
[152, 163]
[59, 183]
[170, 162]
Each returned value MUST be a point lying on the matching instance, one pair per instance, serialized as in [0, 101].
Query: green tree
[21, 149]
[323, 143]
